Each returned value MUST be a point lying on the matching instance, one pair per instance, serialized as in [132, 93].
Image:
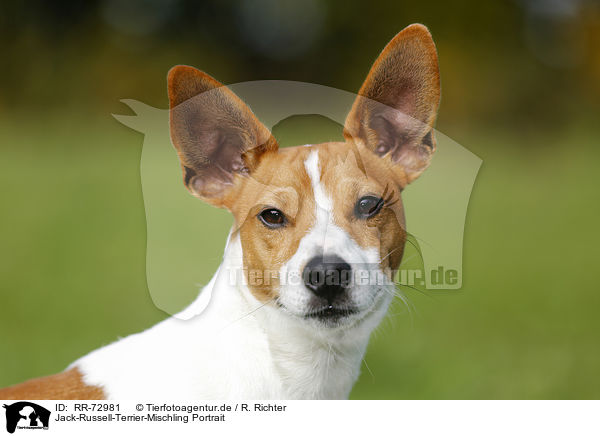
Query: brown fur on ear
[216, 135]
[397, 104]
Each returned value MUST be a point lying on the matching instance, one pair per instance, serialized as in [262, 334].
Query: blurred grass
[525, 324]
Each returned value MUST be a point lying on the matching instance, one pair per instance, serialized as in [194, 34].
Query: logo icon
[26, 415]
[171, 262]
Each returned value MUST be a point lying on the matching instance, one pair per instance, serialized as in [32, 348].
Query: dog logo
[26, 415]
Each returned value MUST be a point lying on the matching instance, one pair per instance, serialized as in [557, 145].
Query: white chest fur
[227, 345]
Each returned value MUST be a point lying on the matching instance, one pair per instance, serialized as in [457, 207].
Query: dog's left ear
[393, 115]
[217, 137]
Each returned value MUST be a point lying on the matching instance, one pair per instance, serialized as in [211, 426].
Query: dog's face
[321, 226]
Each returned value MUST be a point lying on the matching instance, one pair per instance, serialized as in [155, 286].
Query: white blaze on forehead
[313, 169]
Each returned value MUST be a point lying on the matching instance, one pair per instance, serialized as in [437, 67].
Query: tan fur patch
[67, 385]
[280, 181]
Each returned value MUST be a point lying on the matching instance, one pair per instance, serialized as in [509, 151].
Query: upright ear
[216, 135]
[397, 104]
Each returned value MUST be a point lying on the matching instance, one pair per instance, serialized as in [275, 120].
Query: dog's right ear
[217, 137]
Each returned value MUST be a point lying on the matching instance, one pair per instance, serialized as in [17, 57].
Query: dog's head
[321, 226]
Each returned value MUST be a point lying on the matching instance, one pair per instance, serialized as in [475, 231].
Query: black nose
[327, 276]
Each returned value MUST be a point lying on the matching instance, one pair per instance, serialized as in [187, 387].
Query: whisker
[415, 246]
[418, 239]
[249, 313]
[408, 258]
[394, 292]
[421, 291]
[390, 253]
[364, 359]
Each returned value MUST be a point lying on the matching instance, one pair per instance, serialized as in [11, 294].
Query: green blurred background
[520, 88]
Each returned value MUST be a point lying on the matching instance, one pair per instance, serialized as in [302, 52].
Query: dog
[307, 221]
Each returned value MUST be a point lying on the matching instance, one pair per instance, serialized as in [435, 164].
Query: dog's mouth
[331, 313]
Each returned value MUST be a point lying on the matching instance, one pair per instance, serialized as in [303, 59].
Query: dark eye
[368, 207]
[272, 218]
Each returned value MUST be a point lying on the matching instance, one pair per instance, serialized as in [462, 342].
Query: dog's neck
[227, 344]
[309, 362]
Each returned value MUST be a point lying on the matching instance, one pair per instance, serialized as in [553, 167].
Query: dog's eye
[272, 218]
[368, 207]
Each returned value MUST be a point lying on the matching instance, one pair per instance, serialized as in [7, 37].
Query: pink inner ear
[394, 128]
[216, 135]
[208, 187]
[395, 111]
[216, 157]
